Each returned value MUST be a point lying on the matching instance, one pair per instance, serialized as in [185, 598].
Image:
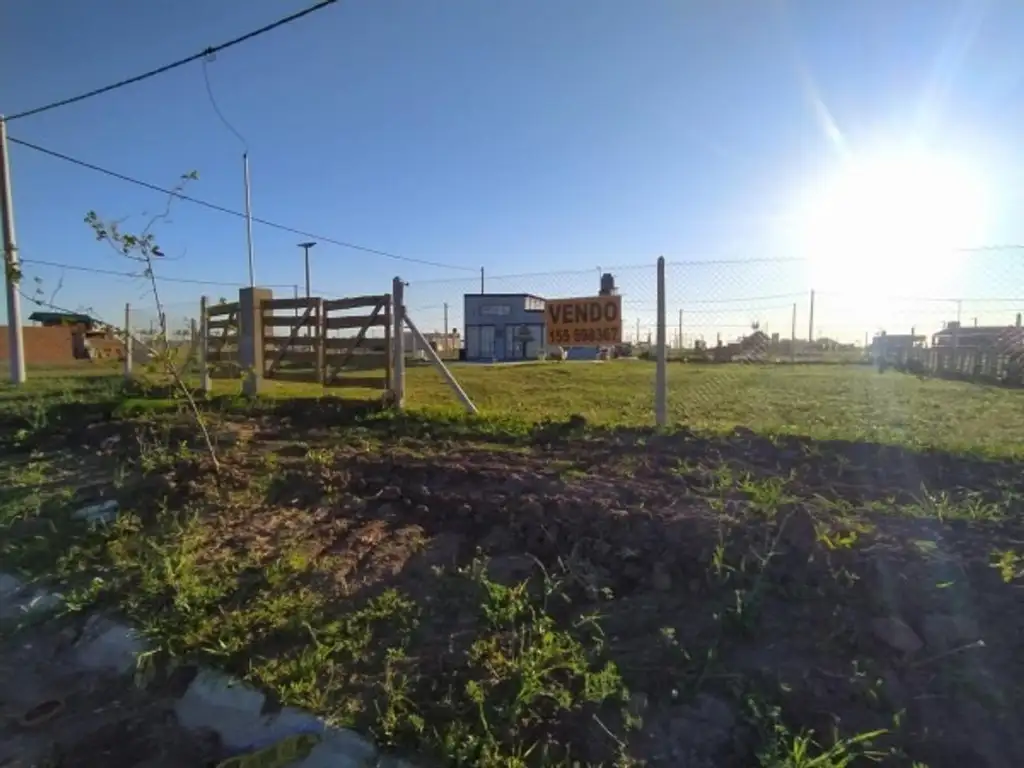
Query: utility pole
[810, 320]
[305, 248]
[12, 271]
[446, 327]
[638, 330]
[680, 330]
[792, 337]
[248, 220]
[481, 280]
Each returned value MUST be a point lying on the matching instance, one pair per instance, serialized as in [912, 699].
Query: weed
[1009, 563]
[784, 748]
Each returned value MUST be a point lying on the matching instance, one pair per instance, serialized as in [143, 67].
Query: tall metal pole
[661, 372]
[792, 337]
[810, 321]
[446, 344]
[481, 280]
[680, 330]
[12, 271]
[248, 221]
[306, 248]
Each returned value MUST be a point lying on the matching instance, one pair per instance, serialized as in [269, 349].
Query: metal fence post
[661, 374]
[204, 335]
[127, 341]
[398, 341]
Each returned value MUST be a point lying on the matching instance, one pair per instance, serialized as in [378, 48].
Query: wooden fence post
[204, 335]
[389, 314]
[321, 341]
[127, 341]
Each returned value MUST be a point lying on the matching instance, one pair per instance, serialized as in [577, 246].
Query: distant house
[53, 319]
[893, 346]
[89, 338]
[998, 338]
[754, 347]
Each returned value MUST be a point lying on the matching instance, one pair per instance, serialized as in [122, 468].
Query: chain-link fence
[746, 310]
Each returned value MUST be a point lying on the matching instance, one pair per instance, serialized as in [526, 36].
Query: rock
[107, 645]
[945, 631]
[341, 748]
[104, 513]
[897, 634]
[661, 579]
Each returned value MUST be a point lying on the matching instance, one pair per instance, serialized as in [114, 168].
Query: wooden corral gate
[222, 339]
[322, 341]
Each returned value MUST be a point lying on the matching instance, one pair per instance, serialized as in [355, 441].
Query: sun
[893, 220]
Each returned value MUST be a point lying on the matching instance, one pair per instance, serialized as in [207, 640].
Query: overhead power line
[137, 275]
[174, 64]
[231, 212]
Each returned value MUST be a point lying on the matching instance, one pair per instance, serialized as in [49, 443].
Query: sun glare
[901, 216]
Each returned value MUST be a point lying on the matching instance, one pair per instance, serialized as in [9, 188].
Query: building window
[495, 309]
[533, 304]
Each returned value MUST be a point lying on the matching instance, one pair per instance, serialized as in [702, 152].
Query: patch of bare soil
[851, 584]
[53, 716]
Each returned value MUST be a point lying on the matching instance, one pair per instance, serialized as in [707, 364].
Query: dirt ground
[53, 716]
[846, 588]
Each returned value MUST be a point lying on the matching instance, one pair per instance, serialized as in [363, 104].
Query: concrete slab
[341, 748]
[108, 645]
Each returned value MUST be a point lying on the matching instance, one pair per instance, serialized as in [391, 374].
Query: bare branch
[144, 249]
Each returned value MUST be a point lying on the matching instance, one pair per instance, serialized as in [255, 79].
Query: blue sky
[527, 136]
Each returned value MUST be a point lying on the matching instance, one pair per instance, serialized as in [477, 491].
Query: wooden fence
[221, 324]
[315, 340]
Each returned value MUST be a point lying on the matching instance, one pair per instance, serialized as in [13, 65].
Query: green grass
[822, 402]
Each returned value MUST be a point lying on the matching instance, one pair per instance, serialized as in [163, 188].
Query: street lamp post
[305, 247]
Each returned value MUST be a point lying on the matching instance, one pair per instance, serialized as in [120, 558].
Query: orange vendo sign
[585, 322]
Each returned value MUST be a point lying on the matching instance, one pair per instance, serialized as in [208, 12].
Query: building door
[472, 342]
[511, 348]
[487, 341]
